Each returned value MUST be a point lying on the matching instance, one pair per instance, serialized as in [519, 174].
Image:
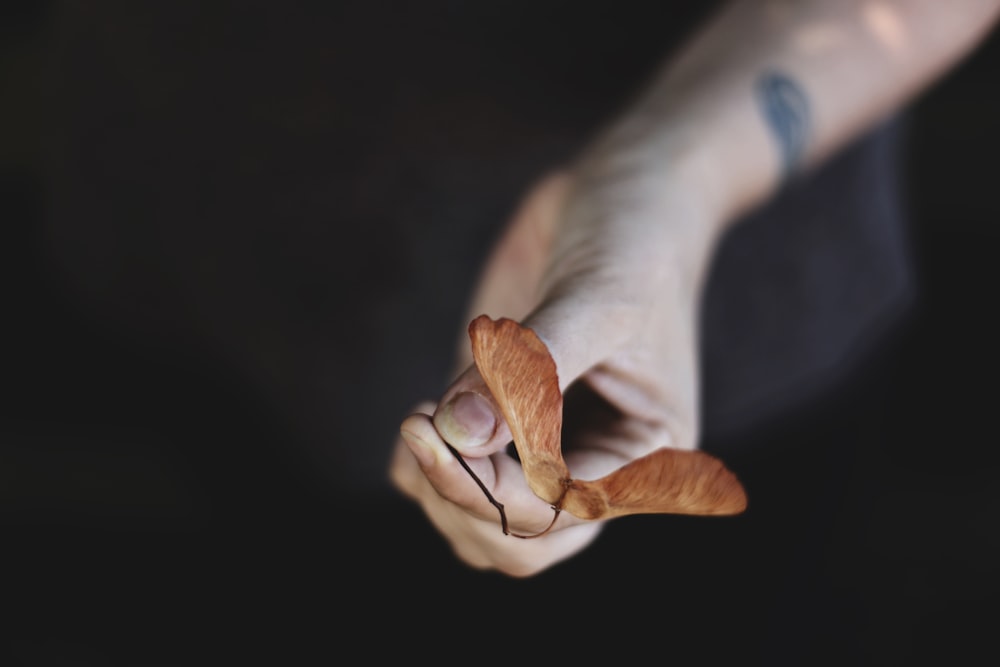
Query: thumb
[581, 332]
[577, 336]
[468, 417]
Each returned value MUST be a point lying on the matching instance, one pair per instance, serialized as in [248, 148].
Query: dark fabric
[805, 289]
[303, 196]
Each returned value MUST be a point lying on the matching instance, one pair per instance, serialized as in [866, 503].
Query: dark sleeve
[805, 288]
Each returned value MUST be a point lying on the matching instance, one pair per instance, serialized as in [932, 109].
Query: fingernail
[467, 420]
[425, 452]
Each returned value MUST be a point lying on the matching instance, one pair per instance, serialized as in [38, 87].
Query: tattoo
[786, 110]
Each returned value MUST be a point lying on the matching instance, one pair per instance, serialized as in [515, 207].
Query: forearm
[769, 87]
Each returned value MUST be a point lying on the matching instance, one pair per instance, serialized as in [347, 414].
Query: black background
[236, 244]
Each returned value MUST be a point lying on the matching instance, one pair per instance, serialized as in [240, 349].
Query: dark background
[236, 245]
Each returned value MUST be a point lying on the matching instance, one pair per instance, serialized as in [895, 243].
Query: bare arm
[767, 87]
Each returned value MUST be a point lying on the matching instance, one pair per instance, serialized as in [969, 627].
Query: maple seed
[521, 375]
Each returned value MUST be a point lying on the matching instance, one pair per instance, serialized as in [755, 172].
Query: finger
[484, 487]
[439, 466]
[404, 468]
[481, 543]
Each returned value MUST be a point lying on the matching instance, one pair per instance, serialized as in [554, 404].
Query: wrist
[701, 130]
[663, 196]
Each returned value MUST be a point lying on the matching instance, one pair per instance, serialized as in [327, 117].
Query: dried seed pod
[521, 374]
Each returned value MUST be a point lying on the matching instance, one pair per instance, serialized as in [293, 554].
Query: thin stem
[496, 503]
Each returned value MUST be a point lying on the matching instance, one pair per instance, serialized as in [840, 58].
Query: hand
[607, 272]
[606, 262]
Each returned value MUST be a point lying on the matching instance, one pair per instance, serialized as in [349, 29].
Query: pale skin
[606, 259]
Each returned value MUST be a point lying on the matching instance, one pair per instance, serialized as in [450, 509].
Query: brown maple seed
[521, 375]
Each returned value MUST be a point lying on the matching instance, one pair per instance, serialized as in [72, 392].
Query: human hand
[607, 274]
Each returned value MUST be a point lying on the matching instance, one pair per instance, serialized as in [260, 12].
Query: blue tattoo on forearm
[786, 110]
